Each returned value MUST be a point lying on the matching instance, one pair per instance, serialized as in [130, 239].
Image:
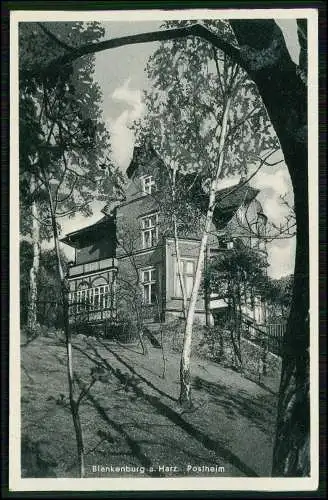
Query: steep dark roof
[228, 199]
[234, 196]
[141, 154]
[77, 239]
[134, 162]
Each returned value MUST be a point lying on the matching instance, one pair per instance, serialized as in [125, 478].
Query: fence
[275, 334]
[270, 335]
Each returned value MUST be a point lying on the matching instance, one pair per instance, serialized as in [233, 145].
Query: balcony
[92, 267]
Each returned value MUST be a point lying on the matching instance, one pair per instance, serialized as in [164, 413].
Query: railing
[270, 335]
[91, 267]
[275, 334]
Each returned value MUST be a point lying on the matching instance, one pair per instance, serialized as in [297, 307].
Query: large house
[126, 262]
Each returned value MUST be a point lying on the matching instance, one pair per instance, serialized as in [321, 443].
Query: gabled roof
[78, 238]
[234, 196]
[228, 200]
[140, 154]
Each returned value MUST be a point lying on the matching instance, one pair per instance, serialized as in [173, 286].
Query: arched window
[99, 281]
[83, 285]
[100, 293]
[96, 297]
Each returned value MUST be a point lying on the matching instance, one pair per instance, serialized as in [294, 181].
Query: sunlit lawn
[132, 418]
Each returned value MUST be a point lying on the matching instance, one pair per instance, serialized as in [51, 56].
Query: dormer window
[148, 184]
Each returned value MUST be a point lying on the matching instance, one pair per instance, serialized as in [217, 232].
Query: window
[188, 273]
[148, 280]
[149, 230]
[148, 184]
[80, 297]
[91, 299]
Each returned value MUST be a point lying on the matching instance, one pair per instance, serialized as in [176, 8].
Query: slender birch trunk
[206, 291]
[177, 250]
[179, 269]
[74, 404]
[185, 377]
[140, 326]
[33, 287]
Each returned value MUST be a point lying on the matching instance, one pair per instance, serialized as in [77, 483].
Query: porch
[92, 267]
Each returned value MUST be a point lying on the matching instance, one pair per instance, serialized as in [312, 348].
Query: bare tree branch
[54, 37]
[74, 210]
[262, 162]
[196, 29]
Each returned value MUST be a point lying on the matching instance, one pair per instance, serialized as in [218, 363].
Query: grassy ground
[132, 417]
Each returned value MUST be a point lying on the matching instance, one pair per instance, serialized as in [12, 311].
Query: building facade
[126, 263]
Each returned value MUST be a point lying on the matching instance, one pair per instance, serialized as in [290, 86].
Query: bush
[173, 333]
[125, 331]
[38, 331]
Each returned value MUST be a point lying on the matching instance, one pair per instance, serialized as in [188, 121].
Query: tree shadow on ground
[29, 340]
[163, 409]
[140, 365]
[35, 459]
[133, 444]
[261, 384]
[258, 410]
[126, 347]
[132, 370]
[26, 373]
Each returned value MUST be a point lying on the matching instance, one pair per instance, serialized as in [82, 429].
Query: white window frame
[150, 230]
[97, 298]
[185, 276]
[148, 284]
[148, 184]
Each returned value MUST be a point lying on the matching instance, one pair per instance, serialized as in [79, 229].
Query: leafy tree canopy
[190, 84]
[63, 139]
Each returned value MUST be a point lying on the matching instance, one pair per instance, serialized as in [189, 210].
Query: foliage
[63, 139]
[238, 277]
[279, 296]
[49, 304]
[190, 84]
[203, 116]
[240, 267]
[175, 193]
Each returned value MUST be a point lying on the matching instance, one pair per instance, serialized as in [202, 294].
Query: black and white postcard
[163, 250]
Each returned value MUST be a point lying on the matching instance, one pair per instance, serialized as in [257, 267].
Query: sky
[122, 79]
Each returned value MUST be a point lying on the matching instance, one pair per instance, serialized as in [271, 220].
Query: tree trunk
[140, 327]
[185, 377]
[265, 56]
[33, 287]
[68, 340]
[285, 98]
[206, 291]
[179, 269]
[234, 331]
